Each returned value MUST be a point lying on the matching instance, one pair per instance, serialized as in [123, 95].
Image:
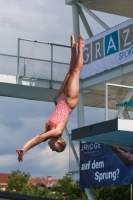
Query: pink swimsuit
[59, 113]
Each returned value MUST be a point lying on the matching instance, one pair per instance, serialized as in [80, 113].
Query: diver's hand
[21, 153]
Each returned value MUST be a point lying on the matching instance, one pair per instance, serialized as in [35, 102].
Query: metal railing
[42, 60]
[8, 64]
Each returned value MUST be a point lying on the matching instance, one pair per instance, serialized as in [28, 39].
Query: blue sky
[20, 120]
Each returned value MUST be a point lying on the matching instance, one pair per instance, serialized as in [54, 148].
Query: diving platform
[31, 87]
[112, 132]
[28, 88]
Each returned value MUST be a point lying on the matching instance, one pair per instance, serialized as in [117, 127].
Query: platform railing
[32, 68]
[8, 64]
[36, 59]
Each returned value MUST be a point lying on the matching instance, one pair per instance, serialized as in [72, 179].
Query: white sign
[108, 49]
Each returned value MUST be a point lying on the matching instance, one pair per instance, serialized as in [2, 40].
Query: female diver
[67, 101]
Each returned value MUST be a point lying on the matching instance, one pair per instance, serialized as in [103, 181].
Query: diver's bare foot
[73, 44]
[72, 40]
[81, 41]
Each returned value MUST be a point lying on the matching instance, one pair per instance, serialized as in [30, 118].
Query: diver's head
[57, 144]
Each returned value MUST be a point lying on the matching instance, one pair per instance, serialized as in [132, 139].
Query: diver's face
[54, 144]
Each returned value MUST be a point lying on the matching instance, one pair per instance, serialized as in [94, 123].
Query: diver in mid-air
[67, 101]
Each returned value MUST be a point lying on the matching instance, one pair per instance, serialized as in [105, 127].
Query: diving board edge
[106, 127]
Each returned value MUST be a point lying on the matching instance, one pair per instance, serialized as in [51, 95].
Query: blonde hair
[63, 145]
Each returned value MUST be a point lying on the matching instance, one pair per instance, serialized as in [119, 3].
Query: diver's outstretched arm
[37, 140]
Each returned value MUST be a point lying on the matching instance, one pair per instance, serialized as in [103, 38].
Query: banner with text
[108, 49]
[102, 165]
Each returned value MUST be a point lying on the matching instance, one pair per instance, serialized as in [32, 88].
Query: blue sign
[109, 49]
[102, 165]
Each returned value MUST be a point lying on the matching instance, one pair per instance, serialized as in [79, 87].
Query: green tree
[18, 182]
[68, 190]
[113, 193]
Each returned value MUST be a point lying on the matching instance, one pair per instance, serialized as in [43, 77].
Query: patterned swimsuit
[59, 114]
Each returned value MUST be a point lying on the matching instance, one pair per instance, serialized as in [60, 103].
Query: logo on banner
[111, 43]
[94, 149]
[126, 41]
[118, 41]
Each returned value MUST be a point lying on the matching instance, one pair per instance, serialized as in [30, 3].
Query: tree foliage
[66, 189]
[113, 193]
[18, 182]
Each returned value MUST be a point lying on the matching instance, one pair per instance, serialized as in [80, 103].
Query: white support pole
[18, 52]
[94, 16]
[80, 116]
[72, 146]
[51, 85]
[86, 25]
[80, 110]
[106, 101]
[75, 14]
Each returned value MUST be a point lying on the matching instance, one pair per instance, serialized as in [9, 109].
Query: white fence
[42, 60]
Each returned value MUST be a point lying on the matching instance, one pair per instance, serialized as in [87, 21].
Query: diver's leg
[72, 64]
[72, 89]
